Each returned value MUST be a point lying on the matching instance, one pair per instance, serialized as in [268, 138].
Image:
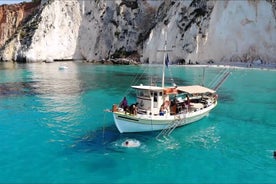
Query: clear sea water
[53, 128]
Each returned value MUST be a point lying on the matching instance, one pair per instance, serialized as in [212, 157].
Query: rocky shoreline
[238, 65]
[233, 65]
[127, 61]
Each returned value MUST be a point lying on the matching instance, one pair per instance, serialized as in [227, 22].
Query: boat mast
[164, 58]
[203, 76]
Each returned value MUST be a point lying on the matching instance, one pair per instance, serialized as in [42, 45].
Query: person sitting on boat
[133, 108]
[174, 101]
[123, 104]
[188, 100]
[162, 110]
[166, 104]
[173, 105]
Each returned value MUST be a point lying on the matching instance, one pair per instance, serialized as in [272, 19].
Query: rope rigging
[134, 81]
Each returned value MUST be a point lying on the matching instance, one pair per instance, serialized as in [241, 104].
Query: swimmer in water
[131, 143]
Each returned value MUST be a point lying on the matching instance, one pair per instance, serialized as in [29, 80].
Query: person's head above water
[131, 143]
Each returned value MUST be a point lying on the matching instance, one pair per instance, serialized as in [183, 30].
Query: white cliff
[57, 33]
[234, 31]
[196, 31]
[239, 31]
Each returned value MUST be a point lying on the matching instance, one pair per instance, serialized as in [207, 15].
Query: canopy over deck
[186, 89]
[195, 89]
[152, 88]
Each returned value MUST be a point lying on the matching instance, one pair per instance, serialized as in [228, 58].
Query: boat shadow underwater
[109, 139]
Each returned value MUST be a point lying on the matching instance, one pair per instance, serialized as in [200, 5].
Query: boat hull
[143, 123]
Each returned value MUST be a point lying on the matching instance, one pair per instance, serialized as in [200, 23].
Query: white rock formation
[196, 31]
[239, 30]
[57, 33]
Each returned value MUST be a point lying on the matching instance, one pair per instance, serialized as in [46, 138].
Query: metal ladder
[170, 128]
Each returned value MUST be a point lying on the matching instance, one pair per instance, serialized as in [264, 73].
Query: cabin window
[155, 97]
[143, 93]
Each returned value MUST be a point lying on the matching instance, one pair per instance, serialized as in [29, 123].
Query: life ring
[167, 91]
[174, 90]
[170, 91]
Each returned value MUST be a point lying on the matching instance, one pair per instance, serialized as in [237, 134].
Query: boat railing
[219, 79]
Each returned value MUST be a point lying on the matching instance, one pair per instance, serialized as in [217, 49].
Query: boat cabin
[173, 100]
[150, 99]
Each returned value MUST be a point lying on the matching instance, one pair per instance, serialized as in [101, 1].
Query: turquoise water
[53, 128]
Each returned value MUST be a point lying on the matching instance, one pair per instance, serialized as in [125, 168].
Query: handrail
[219, 79]
[222, 80]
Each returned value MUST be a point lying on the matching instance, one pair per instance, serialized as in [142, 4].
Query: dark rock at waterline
[124, 61]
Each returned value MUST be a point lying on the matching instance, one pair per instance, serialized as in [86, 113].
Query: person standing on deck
[124, 104]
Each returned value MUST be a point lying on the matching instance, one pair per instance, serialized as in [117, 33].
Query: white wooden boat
[165, 108]
[181, 105]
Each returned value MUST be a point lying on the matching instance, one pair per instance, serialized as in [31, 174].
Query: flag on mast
[167, 61]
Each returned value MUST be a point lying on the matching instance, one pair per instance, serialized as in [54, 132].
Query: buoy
[63, 67]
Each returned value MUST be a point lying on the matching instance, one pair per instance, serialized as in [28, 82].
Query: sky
[12, 1]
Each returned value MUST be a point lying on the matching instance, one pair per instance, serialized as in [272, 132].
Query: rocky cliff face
[196, 31]
[11, 17]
